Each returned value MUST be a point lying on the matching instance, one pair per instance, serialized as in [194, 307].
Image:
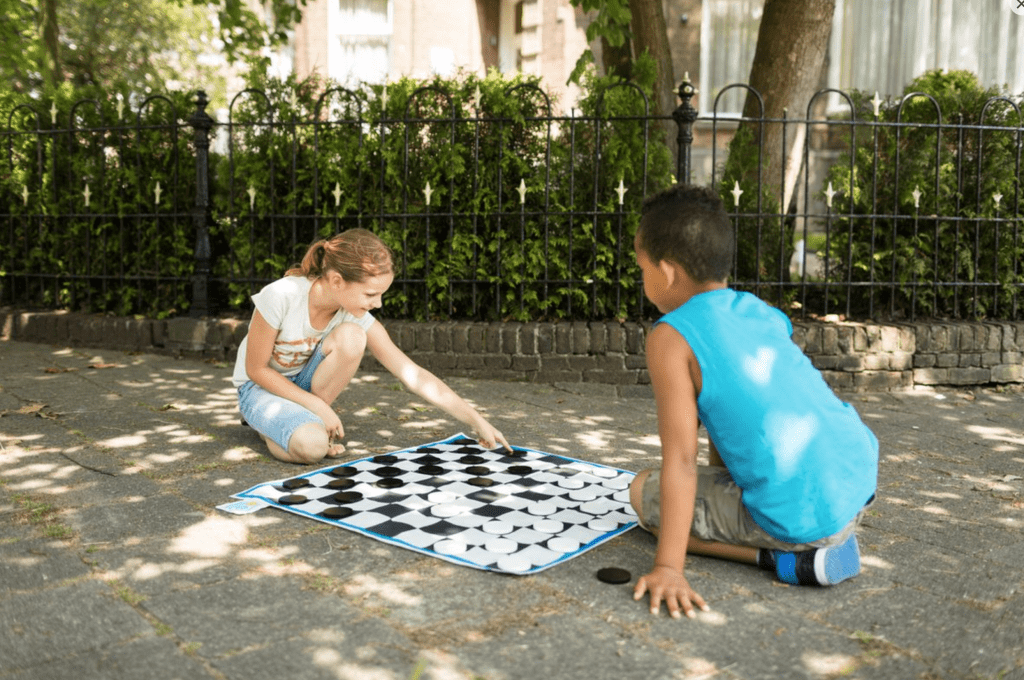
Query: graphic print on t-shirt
[294, 354]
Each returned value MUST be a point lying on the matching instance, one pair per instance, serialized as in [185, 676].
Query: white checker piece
[539, 510]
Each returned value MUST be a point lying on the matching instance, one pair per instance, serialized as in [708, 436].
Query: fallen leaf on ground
[29, 409]
[98, 365]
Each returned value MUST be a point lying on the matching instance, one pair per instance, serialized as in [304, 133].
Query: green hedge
[120, 251]
[479, 248]
[918, 204]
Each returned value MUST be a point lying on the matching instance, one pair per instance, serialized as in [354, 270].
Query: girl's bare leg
[343, 351]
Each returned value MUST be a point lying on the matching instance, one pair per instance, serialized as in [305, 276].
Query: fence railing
[498, 208]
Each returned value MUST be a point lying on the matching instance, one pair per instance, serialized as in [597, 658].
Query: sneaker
[837, 563]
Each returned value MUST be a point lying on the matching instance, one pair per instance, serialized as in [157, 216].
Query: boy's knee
[348, 339]
[308, 444]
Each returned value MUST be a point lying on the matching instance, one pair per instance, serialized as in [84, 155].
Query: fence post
[202, 123]
[684, 115]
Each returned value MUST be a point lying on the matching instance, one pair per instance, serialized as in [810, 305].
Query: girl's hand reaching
[489, 437]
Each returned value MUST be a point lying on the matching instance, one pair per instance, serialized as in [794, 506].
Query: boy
[792, 467]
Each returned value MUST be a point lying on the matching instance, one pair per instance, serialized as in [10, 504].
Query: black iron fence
[499, 208]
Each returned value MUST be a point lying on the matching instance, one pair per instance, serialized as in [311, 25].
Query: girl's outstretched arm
[422, 382]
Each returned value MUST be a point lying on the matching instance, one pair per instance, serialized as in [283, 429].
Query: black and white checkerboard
[517, 513]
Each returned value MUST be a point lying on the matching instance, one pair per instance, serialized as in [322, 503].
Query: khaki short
[719, 514]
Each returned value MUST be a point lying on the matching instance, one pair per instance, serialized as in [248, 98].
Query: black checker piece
[388, 471]
[343, 471]
[389, 483]
[341, 483]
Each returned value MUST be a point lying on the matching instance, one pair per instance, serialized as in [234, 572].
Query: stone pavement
[115, 564]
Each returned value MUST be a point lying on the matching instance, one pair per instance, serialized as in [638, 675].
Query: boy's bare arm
[671, 362]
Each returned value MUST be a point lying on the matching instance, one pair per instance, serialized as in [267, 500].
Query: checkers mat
[518, 513]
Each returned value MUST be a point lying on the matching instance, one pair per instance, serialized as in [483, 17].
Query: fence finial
[120, 109]
[252, 197]
[53, 113]
[522, 191]
[621, 191]
[337, 194]
[428, 192]
[997, 197]
[158, 191]
[384, 100]
[24, 194]
[736, 193]
[916, 193]
[877, 103]
[86, 194]
[829, 193]
[475, 99]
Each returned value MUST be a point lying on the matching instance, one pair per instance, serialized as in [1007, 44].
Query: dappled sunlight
[939, 494]
[213, 537]
[712, 618]
[595, 439]
[139, 569]
[875, 561]
[759, 367]
[1000, 434]
[934, 510]
[363, 585]
[123, 442]
[826, 665]
[425, 424]
[698, 668]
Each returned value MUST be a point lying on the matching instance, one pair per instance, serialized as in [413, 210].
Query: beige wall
[553, 38]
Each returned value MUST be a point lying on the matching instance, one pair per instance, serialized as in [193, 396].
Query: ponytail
[355, 254]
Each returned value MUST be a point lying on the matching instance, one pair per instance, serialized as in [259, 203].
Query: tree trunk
[617, 61]
[48, 30]
[650, 33]
[792, 42]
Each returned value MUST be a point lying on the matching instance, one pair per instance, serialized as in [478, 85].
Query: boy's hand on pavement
[669, 584]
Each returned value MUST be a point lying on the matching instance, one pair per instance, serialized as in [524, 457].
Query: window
[728, 40]
[363, 41]
[881, 45]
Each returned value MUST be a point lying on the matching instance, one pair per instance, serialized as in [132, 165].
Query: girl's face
[360, 297]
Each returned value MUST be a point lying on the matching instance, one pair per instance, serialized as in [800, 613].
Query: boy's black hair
[688, 225]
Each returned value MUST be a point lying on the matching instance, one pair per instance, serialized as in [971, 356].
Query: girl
[307, 336]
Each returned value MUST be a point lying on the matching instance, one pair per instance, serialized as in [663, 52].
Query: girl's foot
[335, 450]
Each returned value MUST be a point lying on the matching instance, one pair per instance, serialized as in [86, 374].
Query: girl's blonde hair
[355, 254]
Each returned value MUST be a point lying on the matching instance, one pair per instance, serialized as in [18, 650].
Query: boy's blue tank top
[804, 459]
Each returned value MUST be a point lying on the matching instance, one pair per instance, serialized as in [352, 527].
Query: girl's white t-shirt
[284, 304]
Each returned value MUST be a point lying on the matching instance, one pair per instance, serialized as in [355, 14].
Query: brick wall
[851, 356]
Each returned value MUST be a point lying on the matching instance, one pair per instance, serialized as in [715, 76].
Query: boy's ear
[670, 270]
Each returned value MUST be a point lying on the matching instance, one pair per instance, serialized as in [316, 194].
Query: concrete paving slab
[257, 596]
[951, 635]
[147, 658]
[37, 563]
[50, 624]
[244, 613]
[135, 518]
